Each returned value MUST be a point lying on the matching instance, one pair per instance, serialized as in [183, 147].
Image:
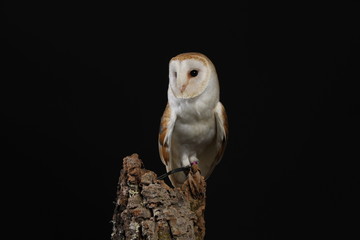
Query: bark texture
[147, 208]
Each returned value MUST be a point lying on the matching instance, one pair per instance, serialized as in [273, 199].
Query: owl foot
[195, 182]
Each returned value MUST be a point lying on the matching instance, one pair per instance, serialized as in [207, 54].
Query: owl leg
[185, 161]
[194, 160]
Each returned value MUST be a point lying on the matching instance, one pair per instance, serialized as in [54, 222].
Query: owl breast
[193, 136]
[195, 123]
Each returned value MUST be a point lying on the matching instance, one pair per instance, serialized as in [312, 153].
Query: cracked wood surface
[147, 208]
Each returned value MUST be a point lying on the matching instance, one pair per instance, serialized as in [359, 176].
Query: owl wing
[216, 151]
[164, 139]
[222, 128]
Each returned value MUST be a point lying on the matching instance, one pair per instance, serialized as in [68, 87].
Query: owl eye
[193, 73]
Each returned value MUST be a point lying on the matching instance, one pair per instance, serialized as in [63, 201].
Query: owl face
[189, 74]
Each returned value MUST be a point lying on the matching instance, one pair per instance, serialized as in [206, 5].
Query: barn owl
[194, 126]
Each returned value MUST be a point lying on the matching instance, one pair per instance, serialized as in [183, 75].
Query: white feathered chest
[195, 123]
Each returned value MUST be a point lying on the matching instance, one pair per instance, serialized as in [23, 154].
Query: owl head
[190, 74]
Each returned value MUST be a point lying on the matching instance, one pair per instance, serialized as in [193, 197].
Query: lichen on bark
[147, 208]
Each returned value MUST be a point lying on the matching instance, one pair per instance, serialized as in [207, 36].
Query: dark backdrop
[84, 84]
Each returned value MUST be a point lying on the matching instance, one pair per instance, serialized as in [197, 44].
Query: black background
[84, 85]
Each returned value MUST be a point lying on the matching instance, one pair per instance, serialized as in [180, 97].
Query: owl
[194, 125]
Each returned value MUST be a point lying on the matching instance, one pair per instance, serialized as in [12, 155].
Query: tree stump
[147, 208]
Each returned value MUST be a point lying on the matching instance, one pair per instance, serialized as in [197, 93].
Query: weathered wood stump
[147, 208]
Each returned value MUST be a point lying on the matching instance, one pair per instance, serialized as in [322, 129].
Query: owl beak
[184, 86]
